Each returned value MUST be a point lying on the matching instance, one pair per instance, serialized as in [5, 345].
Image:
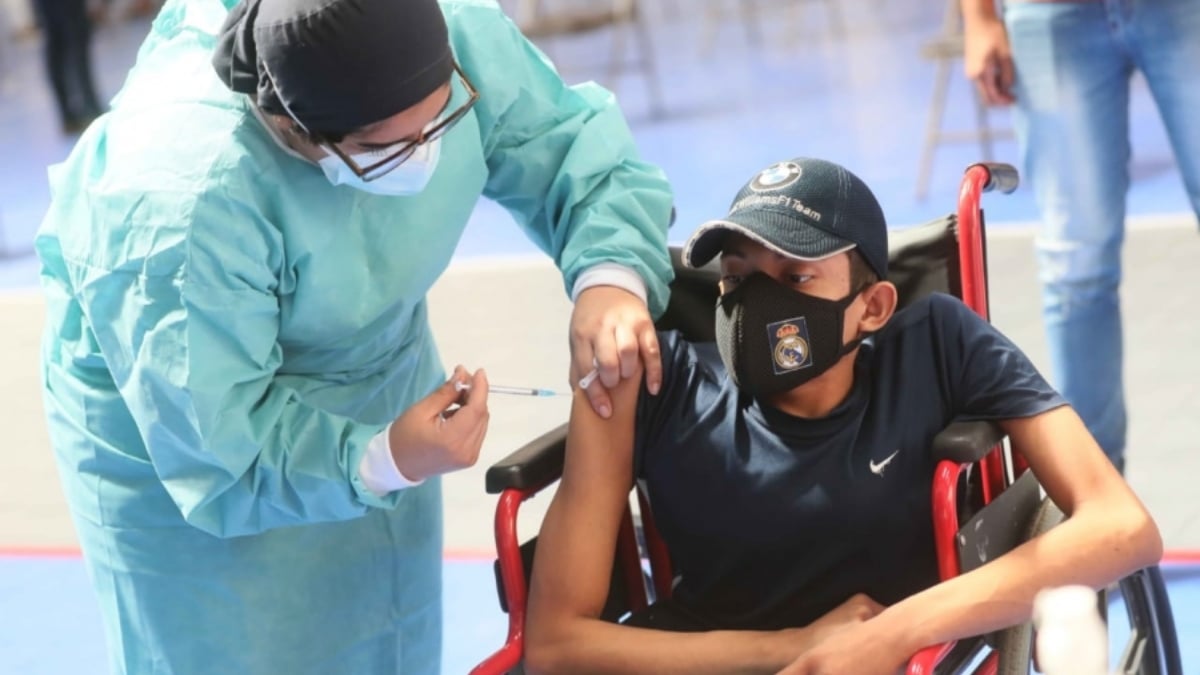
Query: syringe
[515, 391]
[531, 391]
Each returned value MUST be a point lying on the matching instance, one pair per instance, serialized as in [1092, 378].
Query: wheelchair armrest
[948, 657]
[966, 442]
[533, 466]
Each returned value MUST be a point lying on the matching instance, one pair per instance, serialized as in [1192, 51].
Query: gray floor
[517, 316]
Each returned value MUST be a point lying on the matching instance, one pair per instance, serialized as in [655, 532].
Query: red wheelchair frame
[993, 476]
[978, 179]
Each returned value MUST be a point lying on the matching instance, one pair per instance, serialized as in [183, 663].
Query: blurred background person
[1067, 65]
[67, 34]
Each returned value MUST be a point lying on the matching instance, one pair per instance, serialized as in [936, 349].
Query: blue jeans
[1074, 61]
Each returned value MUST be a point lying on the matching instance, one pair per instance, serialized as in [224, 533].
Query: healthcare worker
[243, 394]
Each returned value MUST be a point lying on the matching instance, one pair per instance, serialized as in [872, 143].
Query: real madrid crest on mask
[776, 176]
[773, 338]
[789, 344]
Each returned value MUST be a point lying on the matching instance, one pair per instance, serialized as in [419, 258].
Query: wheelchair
[985, 501]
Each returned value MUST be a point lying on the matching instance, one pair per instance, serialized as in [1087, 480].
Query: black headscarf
[338, 65]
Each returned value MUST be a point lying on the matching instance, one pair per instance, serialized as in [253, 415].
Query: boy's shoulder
[939, 309]
[694, 376]
[680, 353]
[935, 318]
[931, 330]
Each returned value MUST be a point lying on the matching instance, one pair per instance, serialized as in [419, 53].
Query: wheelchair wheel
[1151, 647]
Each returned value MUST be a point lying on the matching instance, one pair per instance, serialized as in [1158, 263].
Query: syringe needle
[513, 391]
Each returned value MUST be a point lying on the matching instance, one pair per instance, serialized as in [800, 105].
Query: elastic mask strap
[853, 344]
[842, 305]
[276, 135]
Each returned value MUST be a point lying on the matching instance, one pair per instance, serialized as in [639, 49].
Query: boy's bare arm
[1107, 535]
[574, 561]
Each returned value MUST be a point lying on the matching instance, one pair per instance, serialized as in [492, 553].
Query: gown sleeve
[188, 326]
[562, 159]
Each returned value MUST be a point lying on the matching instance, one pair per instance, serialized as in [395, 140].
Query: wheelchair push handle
[996, 176]
[978, 178]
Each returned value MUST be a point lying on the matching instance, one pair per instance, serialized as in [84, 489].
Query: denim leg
[54, 44]
[1072, 119]
[77, 56]
[1165, 38]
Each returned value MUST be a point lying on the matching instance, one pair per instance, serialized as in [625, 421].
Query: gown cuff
[378, 469]
[610, 274]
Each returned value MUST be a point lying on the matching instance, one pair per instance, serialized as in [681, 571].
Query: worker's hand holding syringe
[444, 431]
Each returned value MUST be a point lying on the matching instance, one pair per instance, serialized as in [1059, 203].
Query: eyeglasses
[390, 159]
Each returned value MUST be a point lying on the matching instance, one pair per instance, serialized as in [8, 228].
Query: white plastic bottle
[1071, 637]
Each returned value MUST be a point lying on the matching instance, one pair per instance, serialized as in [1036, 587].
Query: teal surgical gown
[226, 330]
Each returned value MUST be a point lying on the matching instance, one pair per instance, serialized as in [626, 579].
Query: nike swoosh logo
[877, 469]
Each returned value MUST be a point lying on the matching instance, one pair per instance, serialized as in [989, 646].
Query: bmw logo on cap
[776, 176]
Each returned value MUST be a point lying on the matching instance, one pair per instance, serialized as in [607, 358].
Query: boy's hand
[857, 648]
[847, 640]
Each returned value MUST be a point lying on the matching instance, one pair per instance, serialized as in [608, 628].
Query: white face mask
[409, 178]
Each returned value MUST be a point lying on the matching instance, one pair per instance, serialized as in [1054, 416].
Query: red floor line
[468, 556]
[72, 552]
[39, 552]
[1182, 556]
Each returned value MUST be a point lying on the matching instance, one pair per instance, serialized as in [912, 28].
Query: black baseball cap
[808, 209]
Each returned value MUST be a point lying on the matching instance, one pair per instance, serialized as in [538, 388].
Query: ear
[880, 299]
[294, 137]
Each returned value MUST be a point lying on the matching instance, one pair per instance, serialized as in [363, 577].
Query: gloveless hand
[612, 329]
[858, 648]
[987, 59]
[444, 431]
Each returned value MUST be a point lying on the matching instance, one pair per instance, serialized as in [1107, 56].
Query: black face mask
[773, 338]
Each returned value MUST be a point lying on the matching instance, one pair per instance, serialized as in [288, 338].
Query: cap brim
[811, 245]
